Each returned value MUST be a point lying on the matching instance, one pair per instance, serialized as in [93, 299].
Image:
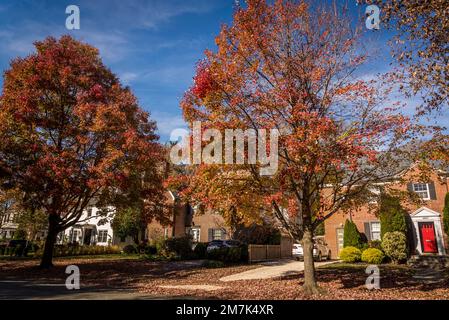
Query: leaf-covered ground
[339, 281]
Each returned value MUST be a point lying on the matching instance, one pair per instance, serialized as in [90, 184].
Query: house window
[217, 234]
[89, 212]
[74, 235]
[422, 190]
[340, 238]
[103, 236]
[375, 230]
[195, 233]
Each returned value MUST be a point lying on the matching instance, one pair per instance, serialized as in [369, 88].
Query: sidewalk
[275, 269]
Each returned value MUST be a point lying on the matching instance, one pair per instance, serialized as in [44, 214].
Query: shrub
[76, 250]
[20, 234]
[213, 264]
[372, 256]
[350, 254]
[244, 255]
[20, 250]
[446, 214]
[130, 249]
[152, 250]
[376, 244]
[392, 215]
[200, 250]
[182, 246]
[352, 236]
[394, 244]
[229, 255]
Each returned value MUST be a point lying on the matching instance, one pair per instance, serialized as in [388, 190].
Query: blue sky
[151, 45]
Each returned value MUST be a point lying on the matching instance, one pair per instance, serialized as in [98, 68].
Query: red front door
[429, 243]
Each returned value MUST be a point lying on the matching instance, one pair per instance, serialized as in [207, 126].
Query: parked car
[217, 244]
[320, 250]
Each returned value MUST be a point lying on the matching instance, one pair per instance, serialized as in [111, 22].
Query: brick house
[184, 220]
[426, 218]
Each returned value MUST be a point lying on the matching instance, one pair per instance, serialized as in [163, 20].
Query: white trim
[422, 191]
[433, 212]
[425, 214]
[172, 195]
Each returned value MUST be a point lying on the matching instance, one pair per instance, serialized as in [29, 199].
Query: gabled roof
[432, 212]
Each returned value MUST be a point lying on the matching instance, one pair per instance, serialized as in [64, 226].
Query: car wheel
[329, 255]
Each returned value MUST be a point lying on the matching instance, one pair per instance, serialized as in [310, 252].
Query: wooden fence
[257, 252]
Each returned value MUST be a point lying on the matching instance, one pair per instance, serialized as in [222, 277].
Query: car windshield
[216, 242]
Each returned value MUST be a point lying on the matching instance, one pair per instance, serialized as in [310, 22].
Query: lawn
[339, 281]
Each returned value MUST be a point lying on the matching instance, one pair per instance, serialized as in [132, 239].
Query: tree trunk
[310, 285]
[53, 229]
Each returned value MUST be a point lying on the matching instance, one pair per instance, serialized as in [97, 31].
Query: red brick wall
[179, 222]
[363, 214]
[208, 221]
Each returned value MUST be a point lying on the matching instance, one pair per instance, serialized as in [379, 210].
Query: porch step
[429, 269]
[429, 262]
[429, 276]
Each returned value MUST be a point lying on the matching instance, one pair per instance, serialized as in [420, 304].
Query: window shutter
[223, 234]
[210, 234]
[410, 187]
[433, 194]
[368, 230]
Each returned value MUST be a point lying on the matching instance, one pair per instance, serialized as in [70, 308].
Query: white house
[93, 229]
[7, 226]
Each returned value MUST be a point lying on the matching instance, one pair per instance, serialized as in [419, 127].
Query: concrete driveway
[274, 269]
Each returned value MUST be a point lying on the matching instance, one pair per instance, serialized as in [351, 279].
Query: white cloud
[167, 122]
[128, 77]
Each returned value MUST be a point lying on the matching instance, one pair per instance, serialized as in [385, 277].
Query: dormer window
[422, 190]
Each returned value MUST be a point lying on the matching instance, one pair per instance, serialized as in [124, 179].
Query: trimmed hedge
[76, 250]
[376, 244]
[352, 236]
[152, 250]
[200, 250]
[182, 246]
[130, 249]
[229, 255]
[394, 244]
[372, 256]
[211, 264]
[350, 254]
[446, 214]
[392, 215]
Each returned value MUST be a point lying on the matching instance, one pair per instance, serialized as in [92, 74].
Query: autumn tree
[421, 47]
[290, 66]
[71, 133]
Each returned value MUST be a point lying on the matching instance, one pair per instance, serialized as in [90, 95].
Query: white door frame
[428, 215]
